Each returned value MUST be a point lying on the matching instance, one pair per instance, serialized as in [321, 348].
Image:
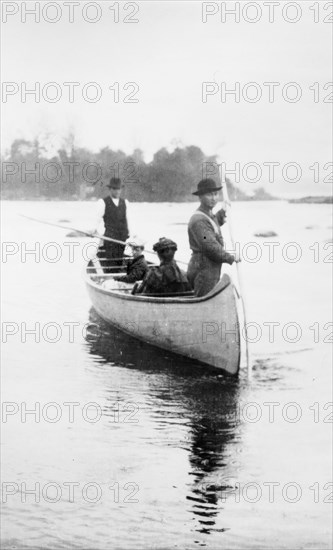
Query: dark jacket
[167, 278]
[136, 270]
[115, 220]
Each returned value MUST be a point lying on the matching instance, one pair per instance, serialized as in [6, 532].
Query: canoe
[206, 329]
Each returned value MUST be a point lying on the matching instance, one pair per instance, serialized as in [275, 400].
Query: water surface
[180, 456]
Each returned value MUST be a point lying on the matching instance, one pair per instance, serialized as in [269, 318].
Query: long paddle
[92, 235]
[241, 286]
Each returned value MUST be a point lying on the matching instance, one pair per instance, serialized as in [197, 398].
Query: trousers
[203, 274]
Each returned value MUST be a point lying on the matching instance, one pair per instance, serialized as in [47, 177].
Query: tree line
[75, 173]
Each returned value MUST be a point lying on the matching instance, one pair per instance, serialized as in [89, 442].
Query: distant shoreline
[303, 200]
[313, 200]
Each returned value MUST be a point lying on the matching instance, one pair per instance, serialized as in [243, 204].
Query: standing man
[112, 212]
[206, 240]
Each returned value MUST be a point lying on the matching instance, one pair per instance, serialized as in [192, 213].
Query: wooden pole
[92, 235]
[240, 279]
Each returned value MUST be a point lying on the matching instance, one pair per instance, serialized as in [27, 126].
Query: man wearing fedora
[113, 214]
[206, 242]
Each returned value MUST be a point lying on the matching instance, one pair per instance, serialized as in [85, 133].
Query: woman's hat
[206, 186]
[164, 243]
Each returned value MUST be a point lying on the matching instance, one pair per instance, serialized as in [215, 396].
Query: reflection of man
[113, 212]
[167, 278]
[206, 241]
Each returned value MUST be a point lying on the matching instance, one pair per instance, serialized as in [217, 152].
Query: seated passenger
[167, 278]
[137, 267]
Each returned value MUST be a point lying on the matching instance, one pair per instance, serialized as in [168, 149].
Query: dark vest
[115, 221]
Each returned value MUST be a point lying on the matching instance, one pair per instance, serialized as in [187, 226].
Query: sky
[168, 54]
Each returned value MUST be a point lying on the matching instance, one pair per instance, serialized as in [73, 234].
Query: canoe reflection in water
[207, 402]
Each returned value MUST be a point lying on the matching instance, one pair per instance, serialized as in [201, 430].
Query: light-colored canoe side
[204, 329]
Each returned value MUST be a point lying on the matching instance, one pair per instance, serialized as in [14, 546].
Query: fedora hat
[114, 183]
[206, 186]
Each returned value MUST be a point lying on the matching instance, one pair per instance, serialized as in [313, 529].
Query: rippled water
[178, 455]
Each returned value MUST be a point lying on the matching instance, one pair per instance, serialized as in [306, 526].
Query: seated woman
[137, 267]
[167, 278]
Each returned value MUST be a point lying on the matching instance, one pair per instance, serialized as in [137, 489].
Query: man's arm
[221, 216]
[98, 222]
[137, 273]
[129, 217]
[209, 244]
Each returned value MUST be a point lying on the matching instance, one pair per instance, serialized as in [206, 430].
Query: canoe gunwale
[220, 287]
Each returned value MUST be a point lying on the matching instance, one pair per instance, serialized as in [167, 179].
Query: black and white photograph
[166, 275]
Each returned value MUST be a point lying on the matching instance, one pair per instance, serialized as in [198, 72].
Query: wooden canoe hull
[203, 329]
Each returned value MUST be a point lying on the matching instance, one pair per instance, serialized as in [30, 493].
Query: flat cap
[136, 241]
[163, 243]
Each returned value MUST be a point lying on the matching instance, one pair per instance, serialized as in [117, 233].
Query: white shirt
[98, 222]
